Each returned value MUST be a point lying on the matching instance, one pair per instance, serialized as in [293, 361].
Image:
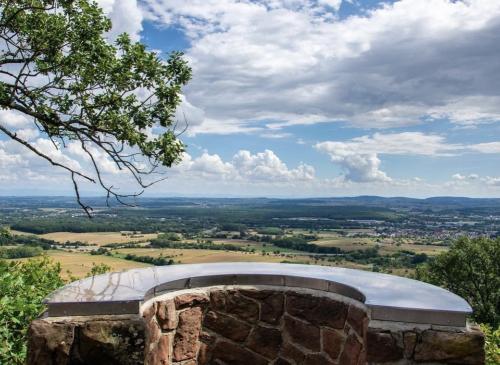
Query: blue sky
[323, 97]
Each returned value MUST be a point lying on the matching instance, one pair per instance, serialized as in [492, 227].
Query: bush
[19, 252]
[273, 231]
[23, 286]
[26, 240]
[157, 261]
[98, 269]
[491, 345]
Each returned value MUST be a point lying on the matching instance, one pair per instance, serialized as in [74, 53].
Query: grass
[187, 256]
[387, 246]
[79, 264]
[96, 238]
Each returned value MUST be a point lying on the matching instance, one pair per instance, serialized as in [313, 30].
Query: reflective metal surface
[390, 297]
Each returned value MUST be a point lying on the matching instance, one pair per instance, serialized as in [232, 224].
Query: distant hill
[433, 203]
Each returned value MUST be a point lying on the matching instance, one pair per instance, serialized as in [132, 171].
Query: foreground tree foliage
[23, 285]
[471, 269]
[491, 345]
[58, 70]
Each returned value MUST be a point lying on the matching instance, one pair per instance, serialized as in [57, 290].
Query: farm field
[187, 256]
[387, 246]
[96, 238]
[79, 264]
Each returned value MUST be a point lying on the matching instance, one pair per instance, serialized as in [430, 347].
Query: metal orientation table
[389, 297]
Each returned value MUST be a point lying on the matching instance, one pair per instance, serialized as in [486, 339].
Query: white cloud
[267, 166]
[296, 62]
[359, 156]
[27, 134]
[473, 180]
[125, 16]
[13, 119]
[8, 160]
[489, 147]
[245, 167]
[460, 177]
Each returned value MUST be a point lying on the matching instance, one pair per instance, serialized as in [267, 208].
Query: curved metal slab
[390, 297]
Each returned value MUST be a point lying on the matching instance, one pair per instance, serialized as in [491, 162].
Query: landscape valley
[391, 235]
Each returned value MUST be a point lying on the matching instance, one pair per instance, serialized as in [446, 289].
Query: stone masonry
[254, 327]
[247, 325]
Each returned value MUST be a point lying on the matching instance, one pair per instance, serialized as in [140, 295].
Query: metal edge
[93, 308]
[257, 279]
[421, 316]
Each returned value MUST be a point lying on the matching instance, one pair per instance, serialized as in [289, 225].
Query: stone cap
[389, 297]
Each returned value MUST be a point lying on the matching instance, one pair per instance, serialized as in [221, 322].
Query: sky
[312, 98]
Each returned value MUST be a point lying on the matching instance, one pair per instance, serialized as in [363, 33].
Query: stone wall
[110, 340]
[403, 343]
[249, 325]
[255, 327]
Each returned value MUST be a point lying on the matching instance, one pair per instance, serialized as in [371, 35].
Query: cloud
[245, 167]
[281, 63]
[125, 15]
[359, 156]
[489, 147]
[27, 134]
[13, 119]
[474, 179]
[266, 166]
[460, 177]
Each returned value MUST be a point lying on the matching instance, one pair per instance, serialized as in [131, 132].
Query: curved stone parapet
[389, 297]
[253, 314]
[250, 325]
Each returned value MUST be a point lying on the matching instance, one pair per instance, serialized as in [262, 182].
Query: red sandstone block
[303, 333]
[265, 341]
[227, 326]
[187, 334]
[317, 310]
[333, 341]
[166, 315]
[191, 300]
[351, 352]
[231, 353]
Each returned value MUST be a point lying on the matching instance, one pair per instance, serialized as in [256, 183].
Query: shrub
[19, 252]
[491, 345]
[157, 261]
[98, 269]
[23, 286]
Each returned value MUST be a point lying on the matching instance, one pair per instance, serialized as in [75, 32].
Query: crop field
[387, 246]
[97, 238]
[187, 256]
[386, 249]
[346, 243]
[79, 264]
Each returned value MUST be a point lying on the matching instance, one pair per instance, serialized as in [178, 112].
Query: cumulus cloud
[460, 177]
[27, 134]
[474, 179]
[125, 16]
[267, 166]
[359, 156]
[13, 119]
[298, 62]
[488, 147]
[245, 167]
